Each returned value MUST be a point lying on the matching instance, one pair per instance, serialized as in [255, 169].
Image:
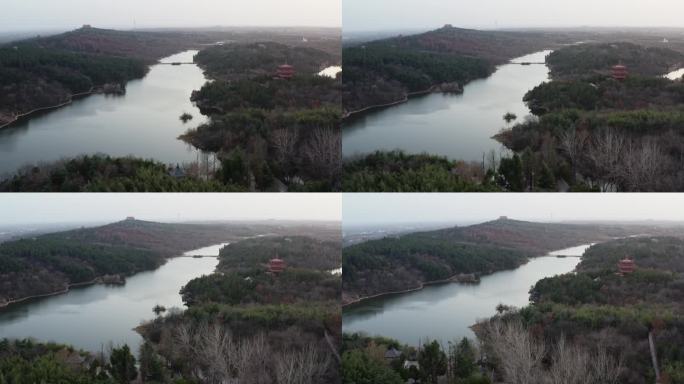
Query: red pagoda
[276, 266]
[620, 72]
[626, 266]
[285, 72]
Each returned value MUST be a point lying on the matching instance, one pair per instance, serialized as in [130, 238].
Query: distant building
[285, 72]
[87, 26]
[620, 72]
[503, 217]
[626, 266]
[130, 218]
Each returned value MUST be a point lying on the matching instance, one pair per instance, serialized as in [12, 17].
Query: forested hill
[590, 60]
[146, 46]
[231, 61]
[408, 261]
[294, 315]
[532, 237]
[386, 71]
[297, 251]
[493, 46]
[597, 308]
[50, 263]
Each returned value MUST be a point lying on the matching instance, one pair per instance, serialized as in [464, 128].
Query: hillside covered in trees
[592, 131]
[397, 171]
[270, 133]
[245, 323]
[601, 318]
[407, 262]
[587, 60]
[101, 173]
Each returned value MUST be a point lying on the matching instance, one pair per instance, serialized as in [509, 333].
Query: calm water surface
[90, 317]
[145, 122]
[456, 126]
[445, 312]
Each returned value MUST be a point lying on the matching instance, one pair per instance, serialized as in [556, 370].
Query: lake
[144, 122]
[91, 317]
[457, 126]
[446, 311]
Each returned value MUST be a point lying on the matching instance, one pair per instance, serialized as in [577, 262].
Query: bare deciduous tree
[323, 151]
[573, 143]
[305, 366]
[570, 365]
[644, 163]
[218, 358]
[519, 355]
[605, 152]
[517, 352]
[283, 141]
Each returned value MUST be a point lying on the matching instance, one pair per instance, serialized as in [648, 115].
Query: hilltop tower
[626, 266]
[276, 265]
[285, 72]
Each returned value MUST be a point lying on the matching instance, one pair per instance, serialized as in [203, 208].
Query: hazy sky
[110, 207]
[69, 14]
[366, 15]
[467, 207]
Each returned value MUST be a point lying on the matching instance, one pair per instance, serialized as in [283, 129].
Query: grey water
[144, 122]
[92, 317]
[459, 127]
[445, 312]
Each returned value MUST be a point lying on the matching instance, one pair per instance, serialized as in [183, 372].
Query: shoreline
[406, 98]
[423, 284]
[27, 114]
[66, 290]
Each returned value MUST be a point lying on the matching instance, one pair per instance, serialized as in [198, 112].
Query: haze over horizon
[21, 209]
[378, 15]
[39, 15]
[364, 209]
